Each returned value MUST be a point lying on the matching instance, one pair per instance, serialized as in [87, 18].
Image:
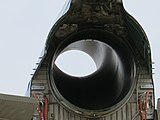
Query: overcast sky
[25, 24]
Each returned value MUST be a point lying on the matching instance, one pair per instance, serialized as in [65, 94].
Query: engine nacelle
[120, 49]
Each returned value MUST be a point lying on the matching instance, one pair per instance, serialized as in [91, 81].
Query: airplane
[122, 86]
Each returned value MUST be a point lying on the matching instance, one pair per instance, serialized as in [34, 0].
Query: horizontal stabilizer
[16, 107]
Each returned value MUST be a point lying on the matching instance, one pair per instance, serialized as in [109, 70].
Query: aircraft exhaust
[108, 85]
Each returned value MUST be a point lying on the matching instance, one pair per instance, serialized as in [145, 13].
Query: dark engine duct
[108, 85]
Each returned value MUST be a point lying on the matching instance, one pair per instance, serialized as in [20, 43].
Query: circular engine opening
[76, 63]
[107, 86]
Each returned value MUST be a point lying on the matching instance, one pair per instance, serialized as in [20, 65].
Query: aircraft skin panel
[158, 108]
[16, 107]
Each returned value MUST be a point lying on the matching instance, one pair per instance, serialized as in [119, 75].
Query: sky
[25, 24]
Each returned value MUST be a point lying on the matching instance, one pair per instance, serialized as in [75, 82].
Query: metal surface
[121, 88]
[158, 108]
[16, 107]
